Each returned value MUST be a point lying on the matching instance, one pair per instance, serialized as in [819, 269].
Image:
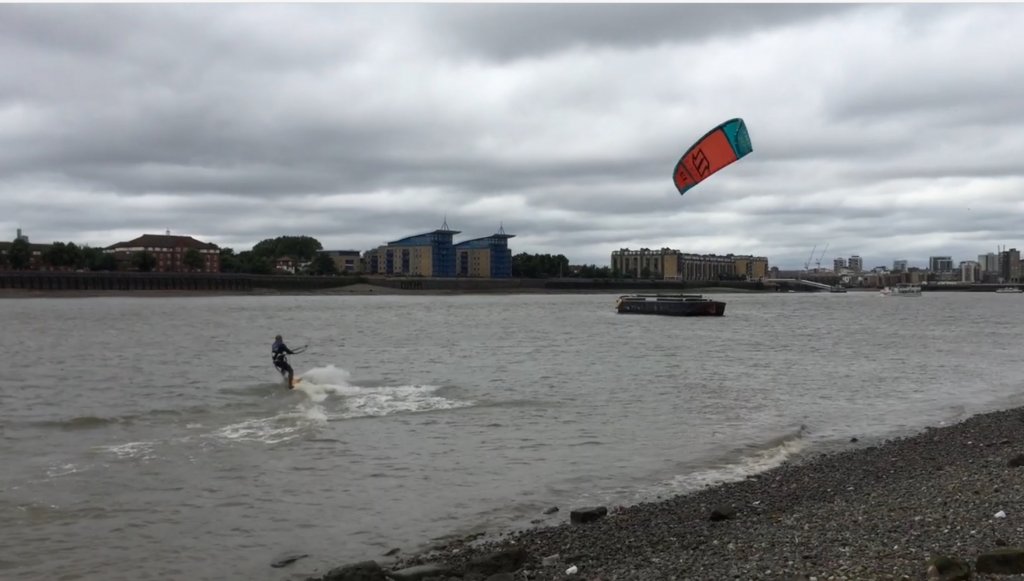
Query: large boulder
[587, 514]
[362, 571]
[287, 560]
[506, 561]
[1009, 561]
[418, 572]
[948, 569]
[722, 513]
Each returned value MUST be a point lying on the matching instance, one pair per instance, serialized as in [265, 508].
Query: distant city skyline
[811, 261]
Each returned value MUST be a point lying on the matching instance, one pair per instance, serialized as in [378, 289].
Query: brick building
[168, 250]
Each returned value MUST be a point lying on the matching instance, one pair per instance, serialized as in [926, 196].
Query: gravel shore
[870, 512]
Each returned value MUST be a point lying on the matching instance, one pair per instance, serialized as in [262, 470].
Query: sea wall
[165, 281]
[559, 284]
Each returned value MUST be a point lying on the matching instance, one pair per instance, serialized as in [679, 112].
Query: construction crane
[822, 255]
[807, 264]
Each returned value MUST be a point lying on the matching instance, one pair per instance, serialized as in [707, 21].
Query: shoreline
[871, 512]
[359, 289]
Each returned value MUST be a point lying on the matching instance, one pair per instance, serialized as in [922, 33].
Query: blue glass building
[487, 257]
[428, 254]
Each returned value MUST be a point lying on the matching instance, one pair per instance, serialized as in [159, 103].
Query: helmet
[277, 338]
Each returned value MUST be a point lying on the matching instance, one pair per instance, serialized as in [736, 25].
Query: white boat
[901, 290]
[1009, 289]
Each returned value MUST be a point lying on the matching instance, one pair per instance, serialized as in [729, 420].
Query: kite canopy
[718, 148]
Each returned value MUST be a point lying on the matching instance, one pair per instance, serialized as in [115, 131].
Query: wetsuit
[279, 350]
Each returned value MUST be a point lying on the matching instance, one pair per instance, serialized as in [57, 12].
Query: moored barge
[678, 305]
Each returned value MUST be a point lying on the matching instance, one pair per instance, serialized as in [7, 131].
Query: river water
[150, 438]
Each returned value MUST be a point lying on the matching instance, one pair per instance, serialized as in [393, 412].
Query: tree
[144, 261]
[323, 264]
[229, 261]
[592, 271]
[250, 263]
[20, 254]
[539, 265]
[61, 255]
[302, 248]
[96, 259]
[193, 260]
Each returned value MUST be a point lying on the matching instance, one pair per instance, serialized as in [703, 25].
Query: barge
[678, 305]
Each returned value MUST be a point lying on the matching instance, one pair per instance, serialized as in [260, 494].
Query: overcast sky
[888, 131]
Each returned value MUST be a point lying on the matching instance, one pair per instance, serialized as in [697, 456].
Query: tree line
[262, 257]
[259, 260]
[58, 255]
[526, 265]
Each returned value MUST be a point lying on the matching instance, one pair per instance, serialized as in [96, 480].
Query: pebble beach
[946, 503]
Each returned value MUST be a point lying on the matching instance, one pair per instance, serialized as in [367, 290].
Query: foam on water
[775, 453]
[323, 382]
[131, 450]
[320, 382]
[59, 470]
[307, 415]
[270, 430]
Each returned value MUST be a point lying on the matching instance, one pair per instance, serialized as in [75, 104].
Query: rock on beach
[882, 512]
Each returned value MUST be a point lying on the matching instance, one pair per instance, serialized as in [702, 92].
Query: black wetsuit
[279, 350]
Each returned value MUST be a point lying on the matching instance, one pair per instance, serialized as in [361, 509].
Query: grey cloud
[503, 32]
[360, 124]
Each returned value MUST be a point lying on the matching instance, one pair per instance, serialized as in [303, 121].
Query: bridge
[799, 281]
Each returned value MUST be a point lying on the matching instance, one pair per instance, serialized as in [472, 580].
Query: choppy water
[146, 438]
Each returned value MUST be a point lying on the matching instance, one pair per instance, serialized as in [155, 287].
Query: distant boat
[837, 289]
[901, 290]
[679, 305]
[1009, 289]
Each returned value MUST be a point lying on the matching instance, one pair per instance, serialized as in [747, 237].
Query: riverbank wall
[55, 282]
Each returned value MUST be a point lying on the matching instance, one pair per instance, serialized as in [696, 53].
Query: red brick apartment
[168, 250]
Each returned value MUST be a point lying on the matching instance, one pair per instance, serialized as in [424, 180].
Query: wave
[84, 422]
[93, 422]
[743, 462]
[320, 384]
[327, 395]
[275, 429]
[132, 450]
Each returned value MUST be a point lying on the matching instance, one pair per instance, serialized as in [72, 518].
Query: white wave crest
[132, 450]
[382, 401]
[320, 383]
[744, 467]
[277, 428]
[59, 470]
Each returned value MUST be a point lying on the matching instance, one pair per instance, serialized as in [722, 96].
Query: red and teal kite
[718, 148]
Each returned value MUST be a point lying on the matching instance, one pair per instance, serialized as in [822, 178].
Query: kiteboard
[296, 381]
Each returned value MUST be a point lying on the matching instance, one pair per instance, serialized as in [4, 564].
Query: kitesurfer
[279, 352]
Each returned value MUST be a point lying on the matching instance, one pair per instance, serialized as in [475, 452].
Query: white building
[970, 271]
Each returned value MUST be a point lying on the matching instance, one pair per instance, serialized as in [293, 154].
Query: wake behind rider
[279, 352]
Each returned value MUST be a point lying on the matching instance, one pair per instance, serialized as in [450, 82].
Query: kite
[718, 148]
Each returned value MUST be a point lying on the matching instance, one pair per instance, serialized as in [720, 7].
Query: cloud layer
[888, 131]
